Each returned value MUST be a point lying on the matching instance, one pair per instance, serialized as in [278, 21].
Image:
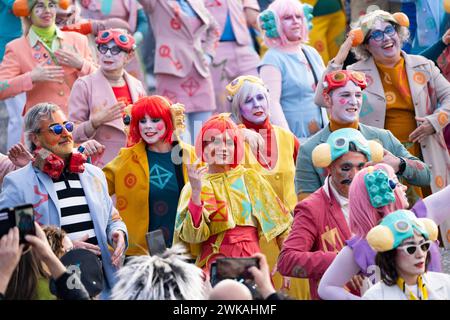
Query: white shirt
[341, 200]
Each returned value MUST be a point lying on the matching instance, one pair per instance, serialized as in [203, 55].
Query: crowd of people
[310, 137]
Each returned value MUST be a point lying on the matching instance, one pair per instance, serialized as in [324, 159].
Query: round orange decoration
[319, 46]
[442, 118]
[390, 97]
[402, 19]
[419, 77]
[121, 203]
[130, 180]
[358, 37]
[439, 182]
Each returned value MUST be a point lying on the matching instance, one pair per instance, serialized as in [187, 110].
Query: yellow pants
[299, 287]
[327, 34]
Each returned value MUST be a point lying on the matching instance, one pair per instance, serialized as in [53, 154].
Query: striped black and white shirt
[75, 217]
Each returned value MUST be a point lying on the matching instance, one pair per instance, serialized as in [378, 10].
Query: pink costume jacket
[318, 233]
[21, 58]
[89, 94]
[236, 8]
[178, 50]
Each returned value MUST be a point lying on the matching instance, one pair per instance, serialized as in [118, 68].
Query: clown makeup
[152, 130]
[254, 107]
[220, 150]
[385, 51]
[291, 24]
[43, 13]
[59, 144]
[109, 61]
[400, 190]
[410, 266]
[344, 169]
[346, 103]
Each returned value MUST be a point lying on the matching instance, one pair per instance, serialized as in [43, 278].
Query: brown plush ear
[431, 228]
[402, 19]
[21, 8]
[380, 238]
[321, 155]
[376, 151]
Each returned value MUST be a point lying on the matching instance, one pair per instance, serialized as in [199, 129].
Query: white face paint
[291, 25]
[346, 103]
[152, 129]
[254, 108]
[110, 62]
[386, 51]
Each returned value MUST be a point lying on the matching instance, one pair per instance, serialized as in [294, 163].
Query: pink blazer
[90, 93]
[20, 59]
[178, 50]
[236, 9]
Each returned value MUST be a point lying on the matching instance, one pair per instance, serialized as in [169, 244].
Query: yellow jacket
[128, 178]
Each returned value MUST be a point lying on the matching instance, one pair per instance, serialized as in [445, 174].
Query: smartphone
[155, 242]
[235, 268]
[21, 216]
[213, 274]
[25, 221]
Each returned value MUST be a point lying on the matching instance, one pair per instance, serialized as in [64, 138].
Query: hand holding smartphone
[21, 216]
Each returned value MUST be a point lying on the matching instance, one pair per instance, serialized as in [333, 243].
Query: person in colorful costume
[406, 94]
[128, 11]
[343, 95]
[147, 177]
[321, 222]
[44, 62]
[97, 101]
[274, 160]
[284, 25]
[65, 191]
[374, 193]
[186, 36]
[235, 54]
[225, 208]
[403, 242]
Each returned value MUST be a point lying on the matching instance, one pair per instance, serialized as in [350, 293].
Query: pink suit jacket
[89, 94]
[318, 233]
[178, 50]
[236, 9]
[20, 59]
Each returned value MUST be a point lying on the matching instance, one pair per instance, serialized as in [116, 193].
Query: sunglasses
[103, 49]
[411, 249]
[378, 35]
[58, 128]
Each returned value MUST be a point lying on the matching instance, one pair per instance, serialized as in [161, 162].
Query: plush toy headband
[340, 78]
[22, 8]
[398, 226]
[368, 22]
[338, 144]
[234, 86]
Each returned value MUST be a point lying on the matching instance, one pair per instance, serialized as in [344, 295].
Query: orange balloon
[358, 37]
[402, 19]
[64, 4]
[20, 8]
[447, 6]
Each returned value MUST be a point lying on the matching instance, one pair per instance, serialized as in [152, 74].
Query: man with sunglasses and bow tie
[65, 190]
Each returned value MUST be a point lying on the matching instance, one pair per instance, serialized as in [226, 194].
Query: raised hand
[106, 114]
[43, 72]
[195, 175]
[19, 156]
[344, 49]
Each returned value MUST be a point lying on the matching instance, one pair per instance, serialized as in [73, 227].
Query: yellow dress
[281, 178]
[239, 197]
[400, 113]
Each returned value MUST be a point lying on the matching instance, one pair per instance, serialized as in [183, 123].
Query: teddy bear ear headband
[270, 22]
[368, 21]
[397, 227]
[22, 8]
[338, 144]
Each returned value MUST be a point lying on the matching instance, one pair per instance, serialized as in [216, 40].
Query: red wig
[154, 107]
[217, 125]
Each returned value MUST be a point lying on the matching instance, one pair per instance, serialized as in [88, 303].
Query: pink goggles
[124, 41]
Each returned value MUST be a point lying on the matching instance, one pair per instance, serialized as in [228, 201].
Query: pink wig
[281, 8]
[363, 216]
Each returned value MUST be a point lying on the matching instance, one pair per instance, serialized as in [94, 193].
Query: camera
[22, 217]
